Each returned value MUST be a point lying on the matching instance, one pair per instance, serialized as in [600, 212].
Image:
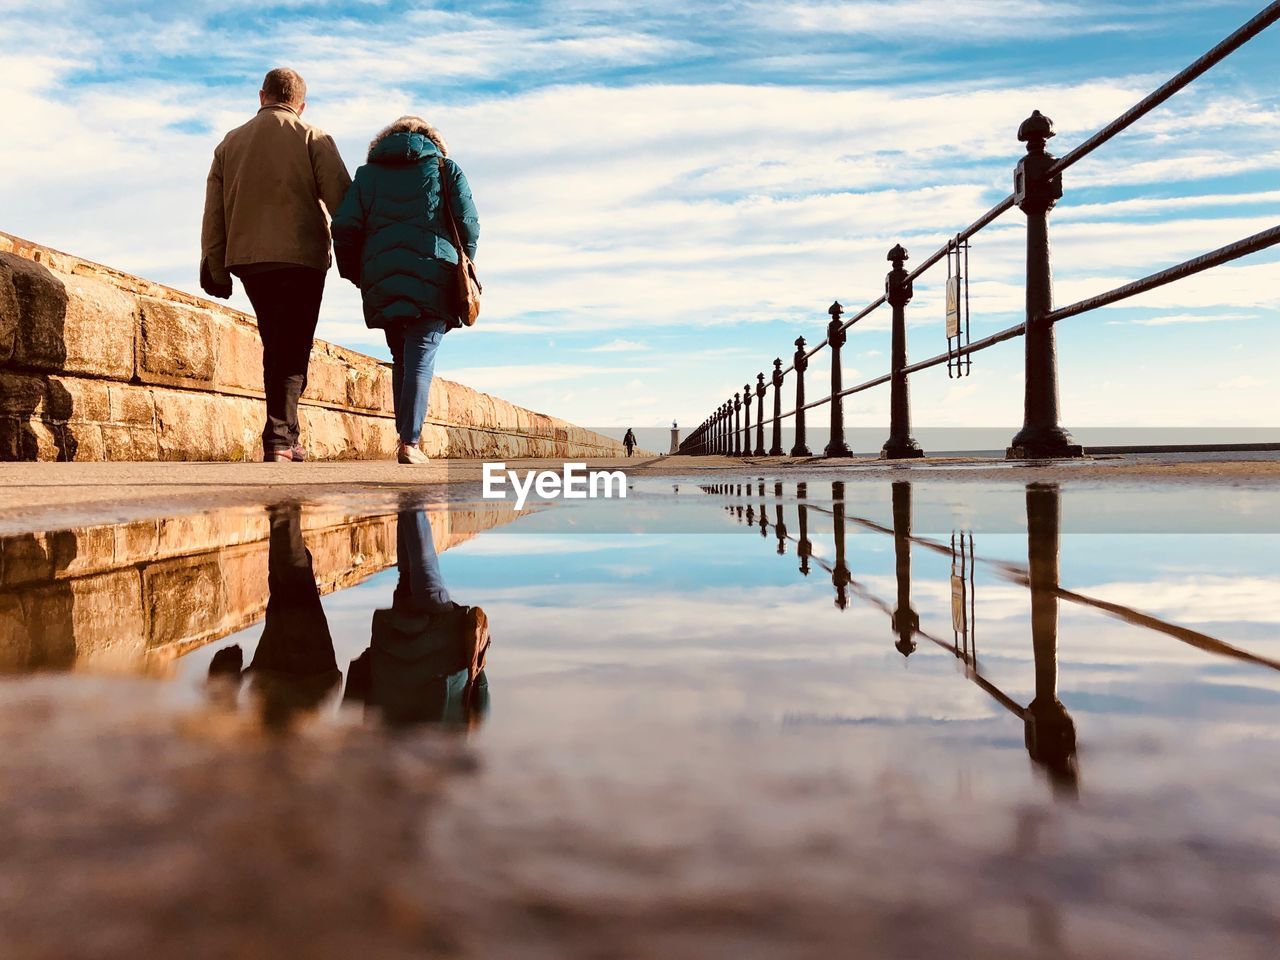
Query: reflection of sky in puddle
[700, 625]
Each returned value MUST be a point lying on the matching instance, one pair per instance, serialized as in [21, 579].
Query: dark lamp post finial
[1035, 130]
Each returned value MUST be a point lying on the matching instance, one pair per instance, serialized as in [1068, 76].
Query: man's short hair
[284, 85]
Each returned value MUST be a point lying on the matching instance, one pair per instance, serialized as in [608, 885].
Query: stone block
[101, 324]
[438, 401]
[324, 432]
[136, 542]
[10, 313]
[82, 551]
[184, 599]
[177, 344]
[22, 395]
[81, 442]
[326, 376]
[205, 532]
[369, 387]
[26, 558]
[202, 426]
[15, 640]
[435, 440]
[79, 401]
[39, 440]
[127, 442]
[131, 405]
[48, 615]
[107, 615]
[374, 540]
[69, 324]
[244, 579]
[238, 365]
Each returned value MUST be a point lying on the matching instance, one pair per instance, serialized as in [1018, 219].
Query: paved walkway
[47, 495]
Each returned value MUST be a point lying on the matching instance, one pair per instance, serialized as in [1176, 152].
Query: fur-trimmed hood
[411, 126]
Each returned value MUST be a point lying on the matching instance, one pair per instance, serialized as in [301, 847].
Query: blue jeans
[413, 360]
[420, 586]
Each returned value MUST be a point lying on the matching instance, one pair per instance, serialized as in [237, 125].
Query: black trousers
[287, 303]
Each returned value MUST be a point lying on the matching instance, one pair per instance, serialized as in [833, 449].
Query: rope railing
[1037, 188]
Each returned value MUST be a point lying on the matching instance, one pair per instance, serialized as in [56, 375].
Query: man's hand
[214, 287]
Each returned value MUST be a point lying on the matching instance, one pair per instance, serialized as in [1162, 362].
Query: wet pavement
[768, 715]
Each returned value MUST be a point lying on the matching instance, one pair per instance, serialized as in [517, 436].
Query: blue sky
[671, 193]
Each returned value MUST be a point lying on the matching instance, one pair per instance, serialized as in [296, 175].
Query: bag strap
[448, 214]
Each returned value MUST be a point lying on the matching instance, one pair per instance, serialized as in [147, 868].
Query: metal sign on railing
[962, 597]
[958, 363]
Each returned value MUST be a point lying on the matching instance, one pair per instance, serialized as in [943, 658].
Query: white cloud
[618, 346]
[688, 208]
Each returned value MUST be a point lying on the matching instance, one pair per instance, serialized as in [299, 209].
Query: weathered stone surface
[106, 614]
[15, 638]
[135, 542]
[126, 441]
[201, 426]
[238, 366]
[79, 401]
[131, 405]
[74, 336]
[184, 598]
[69, 324]
[9, 312]
[22, 394]
[177, 344]
[177, 583]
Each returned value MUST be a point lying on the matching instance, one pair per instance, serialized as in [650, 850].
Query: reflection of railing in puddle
[1049, 730]
[137, 595]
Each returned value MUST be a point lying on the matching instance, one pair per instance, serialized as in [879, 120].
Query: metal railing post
[803, 547]
[801, 363]
[840, 576]
[906, 622]
[1042, 435]
[898, 291]
[779, 524]
[836, 336]
[746, 419]
[1049, 731]
[759, 451]
[775, 449]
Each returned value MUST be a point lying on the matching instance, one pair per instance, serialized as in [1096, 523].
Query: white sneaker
[411, 454]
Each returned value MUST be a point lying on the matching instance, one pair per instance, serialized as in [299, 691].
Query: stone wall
[96, 364]
[138, 595]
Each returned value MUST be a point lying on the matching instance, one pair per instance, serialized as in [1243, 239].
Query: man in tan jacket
[264, 223]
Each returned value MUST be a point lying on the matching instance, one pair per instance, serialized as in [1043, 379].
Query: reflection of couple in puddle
[425, 661]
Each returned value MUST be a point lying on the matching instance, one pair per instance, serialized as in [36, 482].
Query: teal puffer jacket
[390, 236]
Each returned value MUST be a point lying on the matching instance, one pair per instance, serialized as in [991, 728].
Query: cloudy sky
[671, 193]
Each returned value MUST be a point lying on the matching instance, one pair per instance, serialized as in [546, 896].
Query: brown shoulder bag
[468, 285]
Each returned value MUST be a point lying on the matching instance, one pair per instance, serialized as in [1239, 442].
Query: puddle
[748, 646]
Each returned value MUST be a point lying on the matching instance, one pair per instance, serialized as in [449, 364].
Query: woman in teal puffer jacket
[390, 237]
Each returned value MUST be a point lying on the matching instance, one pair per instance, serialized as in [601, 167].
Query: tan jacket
[262, 199]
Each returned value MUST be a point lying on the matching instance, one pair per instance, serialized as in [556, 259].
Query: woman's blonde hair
[411, 124]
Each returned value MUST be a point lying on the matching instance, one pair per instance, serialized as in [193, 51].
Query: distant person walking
[629, 441]
[392, 239]
[264, 223]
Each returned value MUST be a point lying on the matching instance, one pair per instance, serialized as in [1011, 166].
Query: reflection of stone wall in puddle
[141, 594]
[96, 364]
